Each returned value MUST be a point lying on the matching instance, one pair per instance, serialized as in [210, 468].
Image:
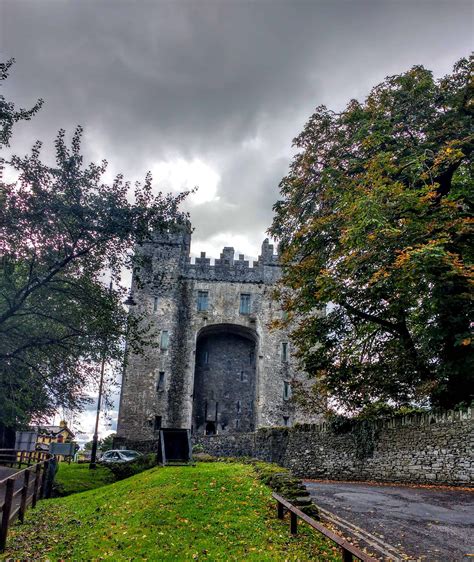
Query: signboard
[25, 440]
[64, 449]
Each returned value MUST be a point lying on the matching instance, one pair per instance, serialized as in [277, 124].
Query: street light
[95, 438]
[93, 464]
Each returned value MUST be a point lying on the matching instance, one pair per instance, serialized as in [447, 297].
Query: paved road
[430, 524]
[5, 472]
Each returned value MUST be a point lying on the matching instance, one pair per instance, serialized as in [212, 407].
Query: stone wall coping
[416, 418]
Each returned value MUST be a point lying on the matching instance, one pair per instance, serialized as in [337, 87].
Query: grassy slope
[74, 478]
[213, 511]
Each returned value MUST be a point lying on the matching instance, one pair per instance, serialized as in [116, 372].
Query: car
[119, 455]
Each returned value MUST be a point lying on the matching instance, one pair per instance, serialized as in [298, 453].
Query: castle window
[286, 390]
[244, 303]
[239, 406]
[205, 357]
[161, 381]
[203, 301]
[251, 358]
[237, 424]
[155, 304]
[157, 424]
[165, 339]
[284, 352]
[286, 421]
[242, 376]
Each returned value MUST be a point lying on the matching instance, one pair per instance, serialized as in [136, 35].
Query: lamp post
[95, 438]
[93, 464]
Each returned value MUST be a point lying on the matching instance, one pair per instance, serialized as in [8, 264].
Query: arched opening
[225, 379]
[210, 428]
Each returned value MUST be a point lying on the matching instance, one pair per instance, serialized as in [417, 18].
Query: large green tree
[374, 223]
[62, 232]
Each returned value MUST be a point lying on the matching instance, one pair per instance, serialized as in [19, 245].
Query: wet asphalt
[429, 524]
[5, 472]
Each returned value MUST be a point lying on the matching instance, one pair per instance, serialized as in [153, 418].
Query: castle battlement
[226, 268]
[213, 364]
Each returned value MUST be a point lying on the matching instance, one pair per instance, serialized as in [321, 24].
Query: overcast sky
[211, 93]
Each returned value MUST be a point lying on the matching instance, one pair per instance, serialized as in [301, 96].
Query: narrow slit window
[286, 421]
[242, 376]
[203, 301]
[251, 358]
[155, 304]
[286, 390]
[205, 357]
[239, 406]
[160, 385]
[165, 339]
[245, 303]
[284, 352]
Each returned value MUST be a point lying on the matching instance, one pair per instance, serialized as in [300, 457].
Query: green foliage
[375, 227]
[8, 114]
[215, 511]
[62, 229]
[122, 470]
[198, 448]
[107, 443]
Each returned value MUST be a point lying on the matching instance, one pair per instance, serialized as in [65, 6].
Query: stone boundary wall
[431, 448]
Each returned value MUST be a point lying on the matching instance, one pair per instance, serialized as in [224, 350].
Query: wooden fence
[348, 550]
[12, 457]
[24, 487]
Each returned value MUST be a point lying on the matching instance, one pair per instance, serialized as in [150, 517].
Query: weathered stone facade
[425, 449]
[216, 366]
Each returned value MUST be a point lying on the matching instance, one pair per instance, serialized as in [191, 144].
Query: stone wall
[159, 385]
[425, 449]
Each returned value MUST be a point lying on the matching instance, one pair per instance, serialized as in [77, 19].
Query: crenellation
[223, 310]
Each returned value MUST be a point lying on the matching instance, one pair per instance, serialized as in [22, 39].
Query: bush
[204, 457]
[281, 481]
[122, 470]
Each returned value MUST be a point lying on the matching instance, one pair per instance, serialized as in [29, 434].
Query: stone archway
[225, 379]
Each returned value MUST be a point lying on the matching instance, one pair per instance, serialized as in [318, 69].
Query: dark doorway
[174, 445]
[210, 428]
[225, 380]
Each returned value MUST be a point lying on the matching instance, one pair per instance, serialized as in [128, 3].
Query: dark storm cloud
[228, 83]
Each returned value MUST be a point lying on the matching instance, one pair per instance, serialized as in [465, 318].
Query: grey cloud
[227, 82]
[155, 80]
[151, 79]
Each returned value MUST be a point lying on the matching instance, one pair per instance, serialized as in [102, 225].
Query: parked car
[118, 455]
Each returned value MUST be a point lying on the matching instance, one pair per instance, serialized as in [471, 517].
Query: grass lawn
[75, 477]
[213, 511]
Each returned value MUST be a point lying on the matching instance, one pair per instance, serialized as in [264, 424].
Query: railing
[348, 550]
[12, 457]
[23, 488]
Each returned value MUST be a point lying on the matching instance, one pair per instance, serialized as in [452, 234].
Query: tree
[107, 443]
[61, 230]
[8, 114]
[374, 226]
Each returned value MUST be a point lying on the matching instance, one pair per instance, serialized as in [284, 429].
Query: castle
[217, 367]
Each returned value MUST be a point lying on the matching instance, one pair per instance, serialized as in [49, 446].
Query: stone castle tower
[216, 366]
